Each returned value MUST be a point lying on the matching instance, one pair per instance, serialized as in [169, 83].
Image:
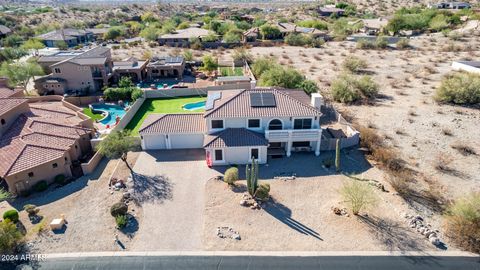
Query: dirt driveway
[173, 199]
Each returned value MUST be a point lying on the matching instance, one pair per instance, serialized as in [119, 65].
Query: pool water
[112, 110]
[158, 84]
[194, 106]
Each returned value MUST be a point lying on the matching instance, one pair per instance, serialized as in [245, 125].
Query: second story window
[253, 123]
[302, 123]
[57, 70]
[217, 124]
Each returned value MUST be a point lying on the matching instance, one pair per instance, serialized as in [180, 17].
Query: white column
[317, 148]
[289, 144]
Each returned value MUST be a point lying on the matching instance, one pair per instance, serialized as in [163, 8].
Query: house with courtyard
[240, 124]
[79, 72]
[330, 10]
[253, 34]
[130, 67]
[182, 37]
[71, 37]
[39, 140]
[164, 67]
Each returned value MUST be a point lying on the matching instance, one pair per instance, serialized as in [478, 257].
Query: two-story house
[240, 124]
[83, 72]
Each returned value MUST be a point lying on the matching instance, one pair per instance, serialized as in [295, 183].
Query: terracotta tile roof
[7, 92]
[8, 104]
[174, 123]
[38, 137]
[238, 105]
[234, 137]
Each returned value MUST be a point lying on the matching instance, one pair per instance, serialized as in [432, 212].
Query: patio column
[289, 144]
[319, 139]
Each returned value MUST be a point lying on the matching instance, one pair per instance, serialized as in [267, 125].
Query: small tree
[231, 176]
[337, 155]
[125, 81]
[10, 237]
[119, 209]
[117, 145]
[62, 45]
[33, 44]
[357, 195]
[241, 54]
[31, 209]
[11, 215]
[209, 63]
[188, 55]
[20, 73]
[309, 86]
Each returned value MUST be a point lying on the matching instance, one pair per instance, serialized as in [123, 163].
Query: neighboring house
[328, 11]
[181, 38]
[72, 37]
[451, 5]
[4, 31]
[227, 80]
[373, 26]
[131, 67]
[39, 141]
[98, 33]
[240, 124]
[468, 66]
[161, 67]
[79, 72]
[253, 34]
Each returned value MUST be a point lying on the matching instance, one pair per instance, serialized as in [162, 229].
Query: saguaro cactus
[251, 175]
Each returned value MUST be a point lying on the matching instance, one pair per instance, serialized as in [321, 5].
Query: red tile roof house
[240, 124]
[38, 141]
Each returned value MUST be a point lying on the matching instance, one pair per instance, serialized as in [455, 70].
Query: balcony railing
[293, 135]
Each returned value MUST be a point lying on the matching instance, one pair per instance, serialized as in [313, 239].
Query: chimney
[317, 100]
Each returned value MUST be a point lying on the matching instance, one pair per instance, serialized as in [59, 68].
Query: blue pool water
[158, 84]
[194, 106]
[112, 110]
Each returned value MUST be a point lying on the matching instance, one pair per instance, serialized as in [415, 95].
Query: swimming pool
[159, 85]
[112, 112]
[194, 106]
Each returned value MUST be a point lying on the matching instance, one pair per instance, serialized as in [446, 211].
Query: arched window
[275, 124]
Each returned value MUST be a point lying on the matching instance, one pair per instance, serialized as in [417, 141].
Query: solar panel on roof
[262, 100]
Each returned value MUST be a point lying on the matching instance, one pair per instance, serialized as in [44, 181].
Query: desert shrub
[403, 43]
[464, 149]
[309, 86]
[60, 179]
[459, 88]
[119, 209]
[10, 237]
[463, 222]
[121, 221]
[342, 91]
[354, 64]
[11, 215]
[31, 209]
[231, 176]
[263, 191]
[40, 186]
[367, 86]
[136, 94]
[381, 42]
[365, 44]
[357, 195]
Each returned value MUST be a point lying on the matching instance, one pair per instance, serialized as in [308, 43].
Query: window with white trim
[254, 153]
[217, 124]
[218, 154]
[253, 123]
[305, 123]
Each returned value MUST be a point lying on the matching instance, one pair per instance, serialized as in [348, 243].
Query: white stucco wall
[238, 155]
[264, 121]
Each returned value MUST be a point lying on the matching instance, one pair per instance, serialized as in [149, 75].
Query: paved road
[262, 262]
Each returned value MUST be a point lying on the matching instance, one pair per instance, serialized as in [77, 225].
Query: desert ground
[405, 113]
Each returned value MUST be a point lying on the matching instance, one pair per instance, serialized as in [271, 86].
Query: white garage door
[186, 141]
[153, 142]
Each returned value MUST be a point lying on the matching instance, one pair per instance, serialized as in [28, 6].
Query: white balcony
[293, 135]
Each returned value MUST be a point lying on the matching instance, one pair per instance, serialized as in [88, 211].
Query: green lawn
[94, 116]
[227, 71]
[165, 105]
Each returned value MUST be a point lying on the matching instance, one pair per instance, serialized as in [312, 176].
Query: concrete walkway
[173, 216]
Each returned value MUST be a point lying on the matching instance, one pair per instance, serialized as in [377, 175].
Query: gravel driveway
[173, 214]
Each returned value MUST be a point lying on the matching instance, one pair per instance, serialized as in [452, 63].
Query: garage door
[186, 141]
[153, 142]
